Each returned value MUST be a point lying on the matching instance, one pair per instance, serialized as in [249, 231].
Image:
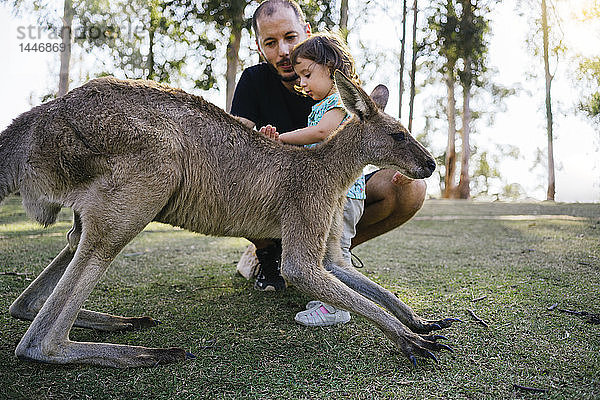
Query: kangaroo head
[388, 144]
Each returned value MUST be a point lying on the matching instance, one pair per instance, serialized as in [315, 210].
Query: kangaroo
[123, 153]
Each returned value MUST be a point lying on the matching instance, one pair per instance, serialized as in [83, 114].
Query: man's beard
[290, 78]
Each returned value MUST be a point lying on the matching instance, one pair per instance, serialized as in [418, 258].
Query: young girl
[315, 61]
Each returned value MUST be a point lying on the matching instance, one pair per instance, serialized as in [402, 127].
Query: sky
[28, 75]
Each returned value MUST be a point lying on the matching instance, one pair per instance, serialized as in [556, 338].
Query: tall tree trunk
[551, 180]
[65, 56]
[449, 183]
[150, 63]
[413, 68]
[464, 190]
[402, 48]
[344, 19]
[233, 49]
[154, 22]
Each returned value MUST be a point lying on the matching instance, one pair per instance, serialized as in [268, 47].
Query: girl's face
[315, 79]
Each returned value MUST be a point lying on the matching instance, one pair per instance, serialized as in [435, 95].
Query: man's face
[277, 35]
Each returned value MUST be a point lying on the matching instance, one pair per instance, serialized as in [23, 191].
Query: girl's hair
[326, 49]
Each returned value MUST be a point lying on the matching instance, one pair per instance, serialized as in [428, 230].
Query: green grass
[249, 347]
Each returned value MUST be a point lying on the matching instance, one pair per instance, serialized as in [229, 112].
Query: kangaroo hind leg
[104, 234]
[29, 303]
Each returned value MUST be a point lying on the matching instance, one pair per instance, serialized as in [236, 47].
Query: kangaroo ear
[354, 98]
[380, 96]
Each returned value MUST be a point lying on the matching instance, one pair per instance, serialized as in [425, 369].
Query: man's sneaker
[322, 314]
[269, 274]
[248, 264]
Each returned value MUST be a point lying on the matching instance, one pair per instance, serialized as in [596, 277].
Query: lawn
[517, 266]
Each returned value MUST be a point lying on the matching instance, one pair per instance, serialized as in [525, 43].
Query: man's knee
[410, 197]
[418, 191]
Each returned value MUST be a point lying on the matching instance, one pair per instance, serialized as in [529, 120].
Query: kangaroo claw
[446, 347]
[413, 360]
[434, 338]
[441, 324]
[429, 354]
[414, 346]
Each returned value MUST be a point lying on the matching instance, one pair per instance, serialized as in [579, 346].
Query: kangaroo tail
[12, 154]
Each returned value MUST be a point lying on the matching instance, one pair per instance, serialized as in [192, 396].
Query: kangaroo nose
[431, 164]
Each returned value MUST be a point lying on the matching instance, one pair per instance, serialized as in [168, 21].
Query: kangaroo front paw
[415, 346]
[442, 323]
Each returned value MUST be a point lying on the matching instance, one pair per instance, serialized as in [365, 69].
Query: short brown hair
[269, 7]
[327, 49]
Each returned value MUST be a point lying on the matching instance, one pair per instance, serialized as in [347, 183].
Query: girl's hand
[270, 132]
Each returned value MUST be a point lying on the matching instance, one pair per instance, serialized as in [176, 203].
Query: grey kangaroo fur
[124, 153]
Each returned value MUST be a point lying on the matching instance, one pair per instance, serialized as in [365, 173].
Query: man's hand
[270, 132]
[399, 179]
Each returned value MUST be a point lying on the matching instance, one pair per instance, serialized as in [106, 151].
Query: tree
[319, 13]
[487, 171]
[148, 39]
[344, 19]
[551, 179]
[444, 24]
[472, 48]
[65, 55]
[402, 50]
[161, 40]
[484, 172]
[458, 46]
[460, 30]
[545, 43]
[589, 70]
[228, 17]
[468, 44]
[512, 191]
[413, 69]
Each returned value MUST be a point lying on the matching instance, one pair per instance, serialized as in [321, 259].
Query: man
[265, 95]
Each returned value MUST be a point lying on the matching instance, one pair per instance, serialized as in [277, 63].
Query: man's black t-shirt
[261, 97]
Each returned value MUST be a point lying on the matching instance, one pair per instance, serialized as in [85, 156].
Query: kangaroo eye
[399, 136]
